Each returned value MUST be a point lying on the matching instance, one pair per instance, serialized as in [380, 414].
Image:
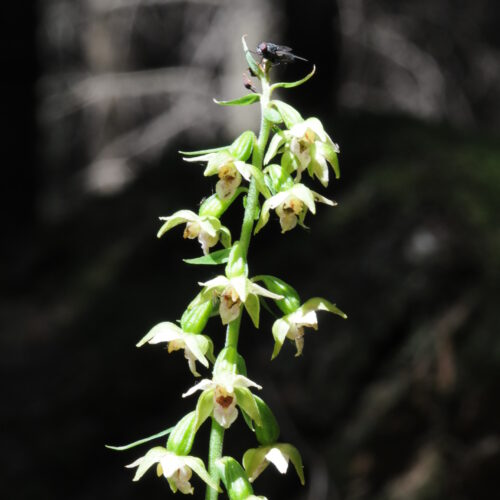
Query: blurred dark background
[398, 402]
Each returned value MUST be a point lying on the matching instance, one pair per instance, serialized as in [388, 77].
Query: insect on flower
[277, 54]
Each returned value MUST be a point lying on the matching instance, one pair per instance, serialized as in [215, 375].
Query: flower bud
[279, 177]
[236, 264]
[242, 146]
[291, 300]
[227, 362]
[195, 318]
[235, 479]
[269, 431]
[215, 207]
[181, 438]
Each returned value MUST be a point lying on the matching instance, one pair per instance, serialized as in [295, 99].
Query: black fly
[277, 54]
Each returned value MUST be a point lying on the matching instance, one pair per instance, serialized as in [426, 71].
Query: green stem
[233, 329]
[214, 452]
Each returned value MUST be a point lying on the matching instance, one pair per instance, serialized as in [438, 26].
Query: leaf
[289, 85]
[240, 101]
[252, 63]
[212, 259]
[141, 441]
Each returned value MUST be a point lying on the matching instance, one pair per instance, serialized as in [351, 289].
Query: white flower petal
[217, 282]
[324, 200]
[299, 130]
[240, 284]
[242, 381]
[279, 459]
[244, 169]
[181, 479]
[304, 194]
[200, 386]
[317, 127]
[300, 318]
[170, 463]
[276, 200]
[259, 290]
[162, 332]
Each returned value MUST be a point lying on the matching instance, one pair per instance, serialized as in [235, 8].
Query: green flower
[292, 325]
[310, 147]
[235, 291]
[175, 468]
[291, 206]
[221, 395]
[206, 228]
[256, 460]
[196, 347]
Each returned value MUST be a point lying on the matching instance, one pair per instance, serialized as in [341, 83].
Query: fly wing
[288, 56]
[283, 48]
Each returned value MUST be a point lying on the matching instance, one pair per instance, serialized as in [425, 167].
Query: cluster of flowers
[302, 146]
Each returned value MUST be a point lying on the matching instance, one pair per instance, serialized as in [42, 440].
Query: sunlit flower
[310, 146]
[175, 468]
[196, 347]
[256, 460]
[222, 394]
[236, 291]
[291, 206]
[229, 169]
[292, 325]
[206, 228]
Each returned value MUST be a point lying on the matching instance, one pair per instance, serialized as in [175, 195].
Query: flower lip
[224, 401]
